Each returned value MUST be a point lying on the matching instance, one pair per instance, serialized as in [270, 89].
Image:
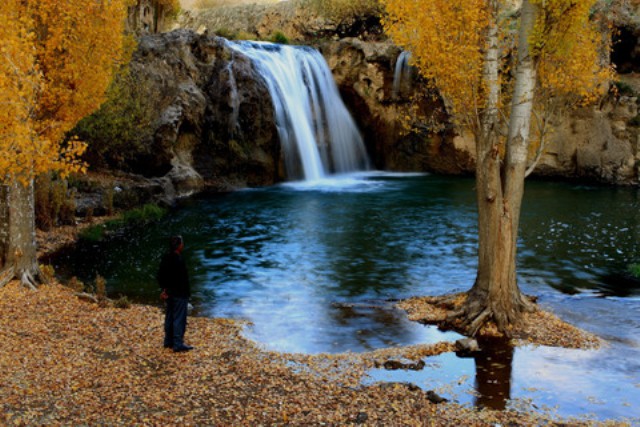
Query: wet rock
[214, 126]
[361, 418]
[392, 365]
[407, 385]
[435, 397]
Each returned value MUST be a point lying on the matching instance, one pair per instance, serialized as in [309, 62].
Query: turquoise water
[313, 266]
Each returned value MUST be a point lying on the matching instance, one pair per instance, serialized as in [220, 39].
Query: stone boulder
[214, 125]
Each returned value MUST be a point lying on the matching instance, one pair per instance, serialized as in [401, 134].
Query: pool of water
[312, 267]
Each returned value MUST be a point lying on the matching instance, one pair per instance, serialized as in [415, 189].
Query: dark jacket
[173, 276]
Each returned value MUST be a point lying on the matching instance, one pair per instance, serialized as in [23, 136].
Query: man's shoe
[168, 345]
[182, 348]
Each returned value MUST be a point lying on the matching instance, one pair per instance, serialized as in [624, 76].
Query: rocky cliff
[598, 143]
[214, 123]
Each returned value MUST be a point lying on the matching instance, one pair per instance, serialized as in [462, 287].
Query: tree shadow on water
[493, 373]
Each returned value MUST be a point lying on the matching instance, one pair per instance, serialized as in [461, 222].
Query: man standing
[174, 281]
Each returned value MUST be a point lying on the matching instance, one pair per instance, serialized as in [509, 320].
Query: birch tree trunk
[18, 257]
[495, 294]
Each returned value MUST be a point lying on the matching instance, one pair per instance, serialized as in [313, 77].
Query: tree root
[479, 321]
[471, 314]
[28, 281]
[6, 276]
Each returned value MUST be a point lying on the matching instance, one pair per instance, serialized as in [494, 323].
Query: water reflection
[311, 267]
[569, 383]
[493, 373]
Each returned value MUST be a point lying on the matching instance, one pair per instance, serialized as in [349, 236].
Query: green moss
[133, 218]
[95, 233]
[279, 37]
[226, 33]
[634, 270]
[624, 89]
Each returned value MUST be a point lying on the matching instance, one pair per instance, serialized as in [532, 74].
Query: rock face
[597, 144]
[148, 16]
[295, 19]
[364, 71]
[214, 125]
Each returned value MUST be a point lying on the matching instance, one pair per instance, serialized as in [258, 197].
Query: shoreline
[66, 361]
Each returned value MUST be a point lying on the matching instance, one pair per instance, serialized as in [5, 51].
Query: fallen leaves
[538, 328]
[68, 362]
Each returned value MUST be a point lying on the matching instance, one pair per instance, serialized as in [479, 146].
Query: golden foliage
[569, 47]
[445, 38]
[57, 61]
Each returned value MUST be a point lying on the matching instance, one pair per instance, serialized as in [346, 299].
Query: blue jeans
[175, 321]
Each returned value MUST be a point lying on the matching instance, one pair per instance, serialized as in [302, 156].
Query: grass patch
[624, 89]
[634, 270]
[133, 218]
[279, 37]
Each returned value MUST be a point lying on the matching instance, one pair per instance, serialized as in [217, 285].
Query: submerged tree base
[537, 326]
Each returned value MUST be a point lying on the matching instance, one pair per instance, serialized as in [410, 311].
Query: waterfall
[402, 75]
[317, 133]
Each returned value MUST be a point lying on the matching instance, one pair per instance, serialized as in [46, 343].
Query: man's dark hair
[175, 242]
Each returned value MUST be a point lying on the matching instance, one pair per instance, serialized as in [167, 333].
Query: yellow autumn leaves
[57, 61]
[570, 48]
[447, 40]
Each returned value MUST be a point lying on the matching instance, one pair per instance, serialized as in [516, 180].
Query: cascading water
[402, 75]
[315, 127]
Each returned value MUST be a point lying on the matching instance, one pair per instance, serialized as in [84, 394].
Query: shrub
[226, 33]
[122, 302]
[75, 284]
[624, 88]
[119, 133]
[133, 218]
[100, 288]
[243, 35]
[95, 233]
[279, 37]
[634, 270]
[144, 215]
[54, 202]
[48, 273]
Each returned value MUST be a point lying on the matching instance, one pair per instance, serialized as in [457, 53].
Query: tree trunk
[495, 294]
[18, 257]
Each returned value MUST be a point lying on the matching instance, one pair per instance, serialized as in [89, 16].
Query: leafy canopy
[447, 39]
[58, 58]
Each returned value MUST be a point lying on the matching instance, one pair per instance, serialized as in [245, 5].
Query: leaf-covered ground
[64, 361]
[539, 327]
